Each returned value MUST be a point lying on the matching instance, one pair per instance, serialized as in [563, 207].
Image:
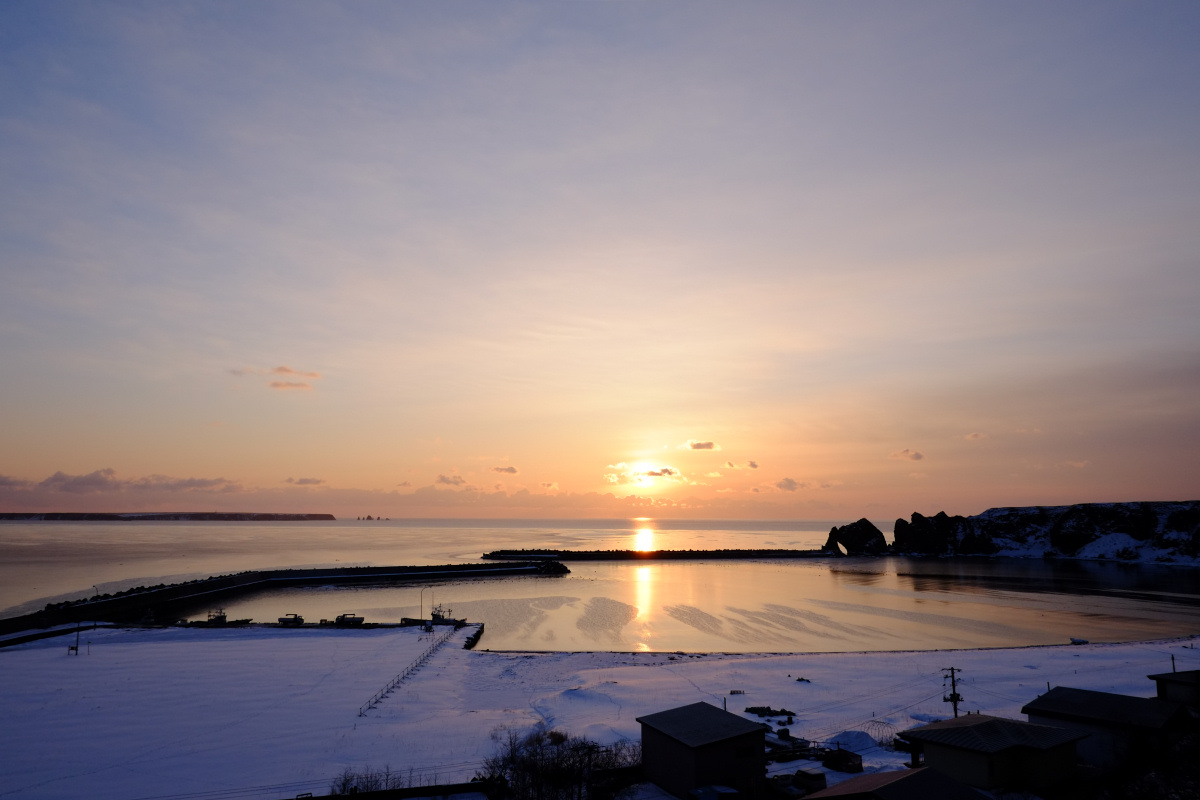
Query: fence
[408, 672]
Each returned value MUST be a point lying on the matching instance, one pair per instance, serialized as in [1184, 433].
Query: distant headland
[161, 516]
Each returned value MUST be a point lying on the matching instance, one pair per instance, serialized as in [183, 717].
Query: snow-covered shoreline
[149, 713]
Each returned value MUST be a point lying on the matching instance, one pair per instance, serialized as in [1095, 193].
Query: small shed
[1179, 687]
[923, 783]
[994, 752]
[686, 748]
[1119, 726]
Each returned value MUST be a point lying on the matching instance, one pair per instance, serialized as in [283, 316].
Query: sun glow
[643, 540]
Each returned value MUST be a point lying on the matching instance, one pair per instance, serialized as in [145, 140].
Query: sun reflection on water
[644, 586]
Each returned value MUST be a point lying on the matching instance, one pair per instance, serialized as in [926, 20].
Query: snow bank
[268, 713]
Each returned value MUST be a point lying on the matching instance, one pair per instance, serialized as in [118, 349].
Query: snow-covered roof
[980, 733]
[699, 724]
[1104, 708]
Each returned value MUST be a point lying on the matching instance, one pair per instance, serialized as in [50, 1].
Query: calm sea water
[750, 606]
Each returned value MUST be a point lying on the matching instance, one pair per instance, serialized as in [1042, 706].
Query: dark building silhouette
[1118, 726]
[909, 784]
[1179, 687]
[997, 753]
[687, 748]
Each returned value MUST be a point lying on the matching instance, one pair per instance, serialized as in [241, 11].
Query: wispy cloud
[13, 483]
[451, 480]
[280, 371]
[787, 485]
[1077, 464]
[907, 454]
[973, 437]
[305, 481]
[506, 470]
[550, 486]
[284, 370]
[664, 472]
[749, 465]
[106, 481]
[624, 474]
[695, 444]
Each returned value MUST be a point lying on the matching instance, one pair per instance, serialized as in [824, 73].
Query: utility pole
[954, 698]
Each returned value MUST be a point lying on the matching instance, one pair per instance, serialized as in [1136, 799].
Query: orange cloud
[693, 444]
[289, 385]
[907, 454]
[295, 372]
[506, 470]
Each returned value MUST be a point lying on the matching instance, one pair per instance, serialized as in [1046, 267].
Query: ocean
[825, 605]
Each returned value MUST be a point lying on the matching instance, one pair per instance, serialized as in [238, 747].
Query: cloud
[296, 372]
[106, 481]
[972, 437]
[506, 470]
[910, 455]
[13, 483]
[787, 485]
[713, 475]
[167, 484]
[305, 481]
[1077, 464]
[102, 480]
[693, 444]
[551, 486]
[624, 474]
[281, 371]
[451, 480]
[499, 487]
[752, 464]
[749, 465]
[402, 484]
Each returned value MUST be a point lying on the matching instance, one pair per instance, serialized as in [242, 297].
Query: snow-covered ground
[259, 712]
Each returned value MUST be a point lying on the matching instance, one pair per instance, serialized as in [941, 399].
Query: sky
[598, 259]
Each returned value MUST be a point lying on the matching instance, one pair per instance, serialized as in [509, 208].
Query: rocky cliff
[857, 539]
[1152, 531]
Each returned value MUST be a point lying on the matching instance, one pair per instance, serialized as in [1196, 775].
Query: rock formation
[858, 539]
[1158, 530]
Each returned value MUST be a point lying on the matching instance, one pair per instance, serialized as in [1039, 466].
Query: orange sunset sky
[467, 259]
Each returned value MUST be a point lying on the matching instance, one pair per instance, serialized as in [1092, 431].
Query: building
[923, 783]
[996, 753]
[687, 748]
[1179, 687]
[1118, 726]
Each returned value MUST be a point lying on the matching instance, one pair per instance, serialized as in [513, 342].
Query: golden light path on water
[644, 583]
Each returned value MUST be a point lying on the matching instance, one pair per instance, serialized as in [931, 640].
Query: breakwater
[169, 602]
[653, 555]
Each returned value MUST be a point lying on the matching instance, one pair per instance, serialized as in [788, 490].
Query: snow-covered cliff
[1151, 531]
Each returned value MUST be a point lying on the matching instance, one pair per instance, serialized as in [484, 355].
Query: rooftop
[699, 724]
[905, 784]
[1190, 677]
[983, 734]
[1084, 705]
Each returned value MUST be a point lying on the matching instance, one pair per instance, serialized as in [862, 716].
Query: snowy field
[259, 712]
